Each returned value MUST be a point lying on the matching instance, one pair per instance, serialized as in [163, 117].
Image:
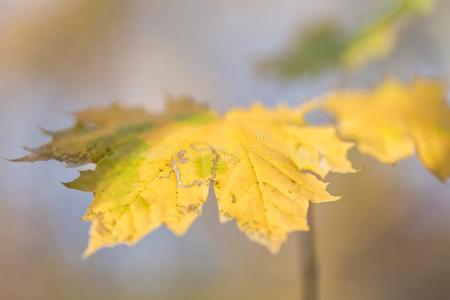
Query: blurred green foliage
[328, 46]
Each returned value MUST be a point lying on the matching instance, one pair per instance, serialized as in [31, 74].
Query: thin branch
[308, 263]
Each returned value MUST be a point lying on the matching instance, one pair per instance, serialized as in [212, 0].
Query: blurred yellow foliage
[395, 119]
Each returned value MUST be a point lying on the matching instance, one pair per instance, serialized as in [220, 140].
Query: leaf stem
[308, 262]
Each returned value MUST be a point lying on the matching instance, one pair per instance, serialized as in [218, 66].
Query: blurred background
[388, 238]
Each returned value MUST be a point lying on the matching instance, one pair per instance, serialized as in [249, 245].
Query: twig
[308, 263]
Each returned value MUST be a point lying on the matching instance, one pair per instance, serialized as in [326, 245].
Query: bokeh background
[388, 238]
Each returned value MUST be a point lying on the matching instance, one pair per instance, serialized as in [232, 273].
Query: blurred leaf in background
[328, 46]
[396, 120]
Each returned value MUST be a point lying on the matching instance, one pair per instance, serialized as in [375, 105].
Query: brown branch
[308, 263]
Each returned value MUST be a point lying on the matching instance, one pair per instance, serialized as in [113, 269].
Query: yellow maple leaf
[265, 189]
[155, 169]
[139, 157]
[393, 121]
